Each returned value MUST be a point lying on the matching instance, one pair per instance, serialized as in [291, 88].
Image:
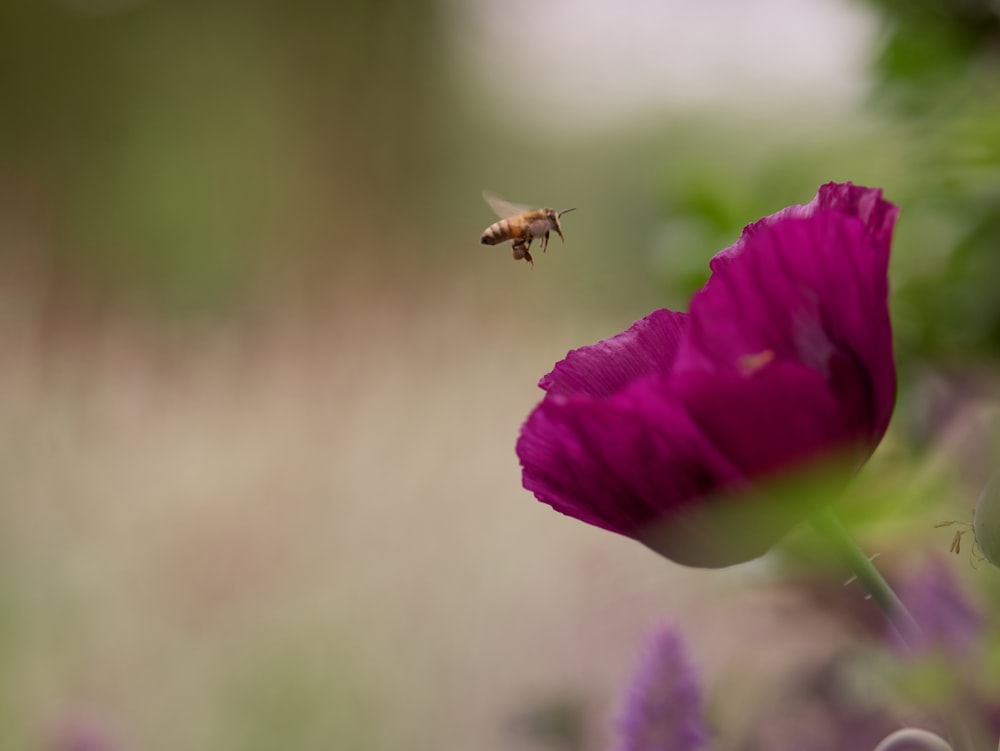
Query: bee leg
[545, 241]
[521, 251]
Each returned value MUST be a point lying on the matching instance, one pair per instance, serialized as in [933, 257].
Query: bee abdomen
[494, 234]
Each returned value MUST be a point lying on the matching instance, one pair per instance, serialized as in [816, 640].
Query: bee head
[553, 217]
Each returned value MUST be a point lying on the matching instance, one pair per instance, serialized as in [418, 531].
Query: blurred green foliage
[173, 151]
[293, 696]
[934, 45]
[181, 156]
[930, 136]
[939, 77]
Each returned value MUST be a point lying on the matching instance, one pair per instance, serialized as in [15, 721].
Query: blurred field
[291, 533]
[309, 533]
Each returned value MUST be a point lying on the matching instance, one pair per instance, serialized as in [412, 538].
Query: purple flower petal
[619, 463]
[739, 415]
[664, 709]
[826, 309]
[786, 357]
[602, 369]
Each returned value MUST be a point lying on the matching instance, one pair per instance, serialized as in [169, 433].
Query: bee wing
[502, 208]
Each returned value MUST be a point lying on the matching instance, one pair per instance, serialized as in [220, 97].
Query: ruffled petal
[619, 463]
[811, 291]
[602, 369]
[878, 215]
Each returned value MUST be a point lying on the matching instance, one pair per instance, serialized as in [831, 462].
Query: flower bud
[986, 522]
[913, 739]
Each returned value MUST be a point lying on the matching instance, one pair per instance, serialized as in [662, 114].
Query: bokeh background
[260, 384]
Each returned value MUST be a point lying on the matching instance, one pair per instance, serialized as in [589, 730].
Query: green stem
[830, 527]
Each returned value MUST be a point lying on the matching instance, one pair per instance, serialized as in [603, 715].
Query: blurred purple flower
[947, 619]
[785, 358]
[82, 733]
[663, 708]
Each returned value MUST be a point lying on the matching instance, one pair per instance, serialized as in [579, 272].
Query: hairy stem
[830, 527]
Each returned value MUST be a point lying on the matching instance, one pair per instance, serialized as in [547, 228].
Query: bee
[522, 225]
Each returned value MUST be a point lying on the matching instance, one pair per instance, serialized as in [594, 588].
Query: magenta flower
[666, 432]
[663, 709]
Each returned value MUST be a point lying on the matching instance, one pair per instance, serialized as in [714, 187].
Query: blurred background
[260, 383]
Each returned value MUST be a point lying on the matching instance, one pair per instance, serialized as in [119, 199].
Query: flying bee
[522, 225]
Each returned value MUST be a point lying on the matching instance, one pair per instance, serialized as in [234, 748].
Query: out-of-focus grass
[306, 530]
[292, 532]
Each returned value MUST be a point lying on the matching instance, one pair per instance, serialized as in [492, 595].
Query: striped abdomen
[512, 228]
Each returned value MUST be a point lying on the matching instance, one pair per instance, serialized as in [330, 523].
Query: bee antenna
[566, 211]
